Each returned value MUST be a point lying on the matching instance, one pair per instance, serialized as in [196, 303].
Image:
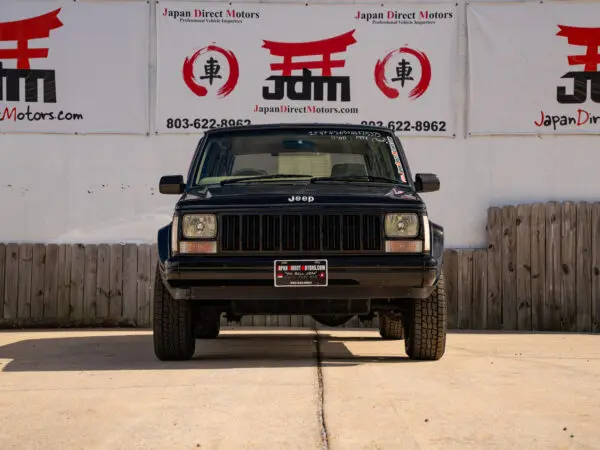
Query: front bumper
[356, 277]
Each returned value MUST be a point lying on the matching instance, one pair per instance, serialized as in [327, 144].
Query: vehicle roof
[318, 126]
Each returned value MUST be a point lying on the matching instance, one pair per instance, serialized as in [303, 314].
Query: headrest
[345, 170]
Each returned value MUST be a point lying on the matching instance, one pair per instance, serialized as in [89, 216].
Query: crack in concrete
[321, 395]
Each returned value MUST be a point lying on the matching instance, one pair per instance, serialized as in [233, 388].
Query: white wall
[59, 188]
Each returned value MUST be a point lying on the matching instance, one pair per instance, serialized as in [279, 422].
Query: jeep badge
[303, 198]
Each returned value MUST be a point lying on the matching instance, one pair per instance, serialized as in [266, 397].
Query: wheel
[172, 325]
[391, 327]
[207, 323]
[427, 325]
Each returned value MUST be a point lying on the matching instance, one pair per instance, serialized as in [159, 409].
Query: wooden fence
[75, 284]
[541, 271]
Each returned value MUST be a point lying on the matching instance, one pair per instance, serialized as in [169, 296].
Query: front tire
[427, 325]
[172, 325]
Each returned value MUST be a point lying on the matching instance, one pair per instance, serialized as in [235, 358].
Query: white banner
[74, 67]
[391, 66]
[534, 68]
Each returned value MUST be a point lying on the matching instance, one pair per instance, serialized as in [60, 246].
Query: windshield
[302, 154]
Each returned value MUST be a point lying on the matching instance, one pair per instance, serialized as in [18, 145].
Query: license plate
[300, 273]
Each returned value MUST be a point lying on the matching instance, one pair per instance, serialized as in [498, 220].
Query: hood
[270, 193]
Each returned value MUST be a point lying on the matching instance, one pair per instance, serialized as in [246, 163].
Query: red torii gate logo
[286, 82]
[590, 38]
[22, 32]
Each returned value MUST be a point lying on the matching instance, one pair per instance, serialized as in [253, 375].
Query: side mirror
[171, 184]
[427, 182]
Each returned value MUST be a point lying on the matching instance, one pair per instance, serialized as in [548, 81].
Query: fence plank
[568, 261]
[285, 321]
[523, 224]
[77, 281]
[480, 290]
[583, 322]
[37, 281]
[11, 283]
[465, 289]
[2, 278]
[538, 265]
[64, 281]
[246, 321]
[450, 267]
[130, 270]
[271, 320]
[553, 270]
[143, 285]
[509, 266]
[595, 268]
[259, 320]
[90, 282]
[51, 282]
[115, 297]
[103, 281]
[494, 269]
[296, 321]
[25, 268]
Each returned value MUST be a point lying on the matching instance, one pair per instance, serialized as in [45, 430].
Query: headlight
[401, 225]
[199, 226]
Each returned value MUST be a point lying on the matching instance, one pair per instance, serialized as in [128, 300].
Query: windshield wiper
[356, 178]
[264, 177]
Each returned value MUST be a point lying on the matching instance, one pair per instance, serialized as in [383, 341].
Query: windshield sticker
[395, 192]
[396, 159]
[370, 138]
[344, 133]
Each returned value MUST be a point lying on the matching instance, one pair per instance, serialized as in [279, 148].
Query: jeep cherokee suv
[316, 219]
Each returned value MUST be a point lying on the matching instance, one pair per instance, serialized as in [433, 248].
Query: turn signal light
[197, 247]
[404, 246]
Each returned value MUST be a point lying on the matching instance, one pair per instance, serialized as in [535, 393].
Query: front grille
[300, 232]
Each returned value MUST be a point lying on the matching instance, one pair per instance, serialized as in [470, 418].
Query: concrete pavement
[265, 389]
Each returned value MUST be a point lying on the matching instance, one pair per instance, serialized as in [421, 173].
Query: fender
[164, 244]
[437, 245]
